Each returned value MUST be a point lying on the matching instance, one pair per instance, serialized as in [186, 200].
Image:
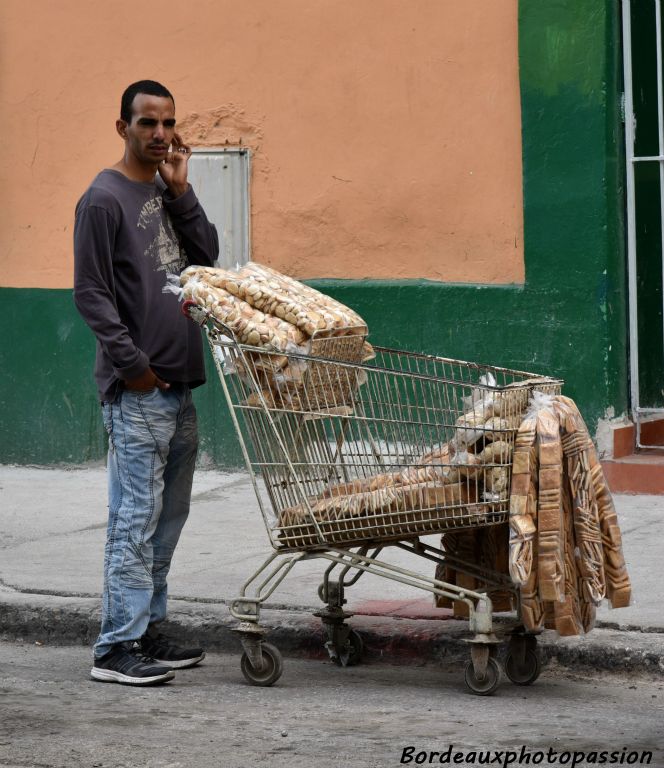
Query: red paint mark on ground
[402, 609]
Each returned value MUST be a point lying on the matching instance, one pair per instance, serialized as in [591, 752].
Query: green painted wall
[568, 320]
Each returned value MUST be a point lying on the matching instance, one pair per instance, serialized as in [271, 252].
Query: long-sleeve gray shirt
[128, 236]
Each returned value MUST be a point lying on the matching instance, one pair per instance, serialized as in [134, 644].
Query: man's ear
[121, 128]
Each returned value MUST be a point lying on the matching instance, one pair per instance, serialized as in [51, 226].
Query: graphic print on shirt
[165, 250]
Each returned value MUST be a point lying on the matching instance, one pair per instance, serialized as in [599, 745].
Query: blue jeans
[153, 440]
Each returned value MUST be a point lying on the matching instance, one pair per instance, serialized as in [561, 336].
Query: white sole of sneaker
[183, 663]
[110, 676]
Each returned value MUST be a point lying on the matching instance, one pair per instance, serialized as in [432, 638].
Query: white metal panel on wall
[220, 178]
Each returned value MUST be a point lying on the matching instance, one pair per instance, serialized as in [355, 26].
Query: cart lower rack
[361, 450]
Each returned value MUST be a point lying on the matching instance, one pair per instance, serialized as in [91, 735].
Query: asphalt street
[52, 715]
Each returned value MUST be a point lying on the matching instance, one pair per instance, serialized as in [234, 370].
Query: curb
[54, 620]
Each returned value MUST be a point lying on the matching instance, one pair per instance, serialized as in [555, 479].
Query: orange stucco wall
[385, 133]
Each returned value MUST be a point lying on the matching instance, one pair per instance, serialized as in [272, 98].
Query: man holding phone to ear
[137, 223]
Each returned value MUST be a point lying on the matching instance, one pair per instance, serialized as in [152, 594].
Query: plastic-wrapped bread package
[267, 296]
[618, 587]
[484, 422]
[439, 455]
[587, 531]
[591, 549]
[250, 325]
[399, 509]
[382, 494]
[511, 402]
[549, 509]
[432, 473]
[486, 430]
[469, 427]
[368, 352]
[522, 532]
[275, 399]
[283, 297]
[522, 522]
[564, 541]
[334, 313]
[498, 452]
[567, 614]
[490, 470]
[275, 313]
[434, 465]
[599, 532]
[482, 449]
[489, 467]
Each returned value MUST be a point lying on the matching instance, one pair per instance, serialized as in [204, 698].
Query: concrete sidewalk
[51, 553]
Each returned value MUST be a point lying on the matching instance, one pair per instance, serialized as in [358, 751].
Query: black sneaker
[164, 651]
[120, 665]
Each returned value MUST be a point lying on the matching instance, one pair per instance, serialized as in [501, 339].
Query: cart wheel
[273, 666]
[355, 648]
[491, 679]
[526, 673]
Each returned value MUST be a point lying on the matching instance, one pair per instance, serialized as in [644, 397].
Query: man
[138, 222]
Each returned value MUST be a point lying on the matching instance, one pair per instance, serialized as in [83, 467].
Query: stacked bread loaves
[272, 312]
[565, 552]
[570, 525]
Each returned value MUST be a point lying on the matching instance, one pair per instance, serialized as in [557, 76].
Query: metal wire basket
[354, 450]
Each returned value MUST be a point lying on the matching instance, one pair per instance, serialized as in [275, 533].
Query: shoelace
[136, 653]
[162, 641]
[143, 657]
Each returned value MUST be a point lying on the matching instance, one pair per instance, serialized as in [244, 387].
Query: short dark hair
[149, 87]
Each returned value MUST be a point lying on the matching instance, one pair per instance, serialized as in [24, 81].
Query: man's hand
[173, 170]
[146, 382]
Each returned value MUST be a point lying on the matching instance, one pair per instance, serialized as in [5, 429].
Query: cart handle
[194, 312]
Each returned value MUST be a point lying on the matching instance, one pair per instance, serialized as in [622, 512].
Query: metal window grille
[220, 178]
[644, 143]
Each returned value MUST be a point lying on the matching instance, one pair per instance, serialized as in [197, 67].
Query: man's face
[150, 132]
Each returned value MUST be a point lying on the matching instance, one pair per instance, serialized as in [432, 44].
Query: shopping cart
[359, 455]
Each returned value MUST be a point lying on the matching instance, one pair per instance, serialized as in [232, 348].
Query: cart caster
[356, 648]
[350, 653]
[488, 684]
[524, 671]
[522, 663]
[271, 670]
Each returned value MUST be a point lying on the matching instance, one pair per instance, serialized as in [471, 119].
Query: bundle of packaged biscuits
[279, 317]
